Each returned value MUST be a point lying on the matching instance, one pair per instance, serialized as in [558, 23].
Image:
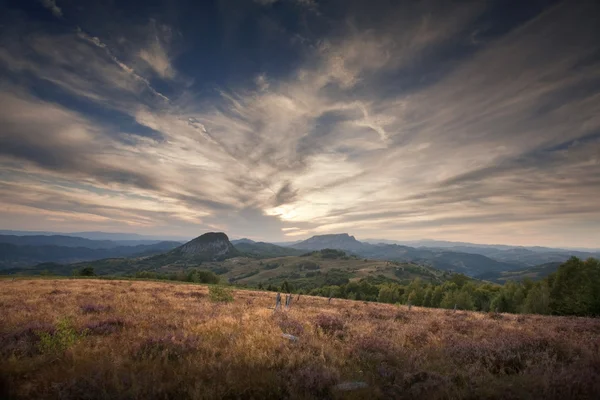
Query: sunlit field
[97, 339]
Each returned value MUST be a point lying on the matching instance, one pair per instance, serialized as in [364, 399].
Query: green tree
[482, 298]
[388, 294]
[437, 296]
[538, 299]
[87, 271]
[575, 288]
[416, 293]
[460, 280]
[427, 301]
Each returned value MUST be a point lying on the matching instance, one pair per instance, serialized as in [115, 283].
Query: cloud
[261, 82]
[51, 5]
[156, 60]
[389, 130]
[156, 52]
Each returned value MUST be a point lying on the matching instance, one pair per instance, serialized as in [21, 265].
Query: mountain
[448, 244]
[15, 256]
[112, 236]
[264, 250]
[526, 256]
[70, 241]
[341, 241]
[466, 263]
[210, 246]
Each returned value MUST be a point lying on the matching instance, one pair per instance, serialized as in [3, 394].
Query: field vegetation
[110, 339]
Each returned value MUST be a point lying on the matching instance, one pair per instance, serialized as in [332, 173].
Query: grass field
[96, 339]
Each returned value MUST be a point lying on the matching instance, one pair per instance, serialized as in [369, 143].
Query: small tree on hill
[87, 271]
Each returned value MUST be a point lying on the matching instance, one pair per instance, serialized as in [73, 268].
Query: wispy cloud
[51, 5]
[157, 61]
[403, 129]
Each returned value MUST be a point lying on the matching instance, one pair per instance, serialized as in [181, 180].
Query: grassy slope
[291, 269]
[251, 271]
[149, 340]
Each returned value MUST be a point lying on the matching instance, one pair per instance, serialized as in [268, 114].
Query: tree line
[574, 289]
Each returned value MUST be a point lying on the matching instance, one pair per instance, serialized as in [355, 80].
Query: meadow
[110, 339]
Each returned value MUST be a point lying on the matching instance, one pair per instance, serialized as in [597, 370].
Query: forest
[574, 289]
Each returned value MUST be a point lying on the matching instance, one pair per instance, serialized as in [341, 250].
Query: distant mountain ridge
[468, 258]
[466, 263]
[71, 241]
[15, 256]
[264, 250]
[494, 262]
[112, 236]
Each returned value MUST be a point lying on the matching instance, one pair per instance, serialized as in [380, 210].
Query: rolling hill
[253, 263]
[466, 263]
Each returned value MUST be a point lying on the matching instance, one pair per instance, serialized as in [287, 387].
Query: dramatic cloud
[406, 121]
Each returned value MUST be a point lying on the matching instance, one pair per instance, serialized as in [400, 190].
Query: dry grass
[159, 340]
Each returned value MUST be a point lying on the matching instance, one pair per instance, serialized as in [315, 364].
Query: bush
[61, 339]
[94, 308]
[329, 324]
[307, 265]
[332, 253]
[202, 276]
[105, 327]
[87, 271]
[220, 294]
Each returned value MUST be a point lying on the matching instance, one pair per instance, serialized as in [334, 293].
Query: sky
[277, 120]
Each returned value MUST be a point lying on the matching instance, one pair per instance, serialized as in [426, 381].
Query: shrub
[313, 381]
[288, 324]
[105, 327]
[307, 265]
[170, 348]
[63, 338]
[94, 308]
[24, 341]
[87, 271]
[220, 294]
[202, 276]
[329, 324]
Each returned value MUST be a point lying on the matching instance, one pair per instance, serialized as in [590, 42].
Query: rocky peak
[211, 245]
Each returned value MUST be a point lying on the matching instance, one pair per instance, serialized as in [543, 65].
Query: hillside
[466, 263]
[534, 273]
[265, 250]
[211, 246]
[520, 255]
[320, 269]
[150, 340]
[208, 247]
[311, 270]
